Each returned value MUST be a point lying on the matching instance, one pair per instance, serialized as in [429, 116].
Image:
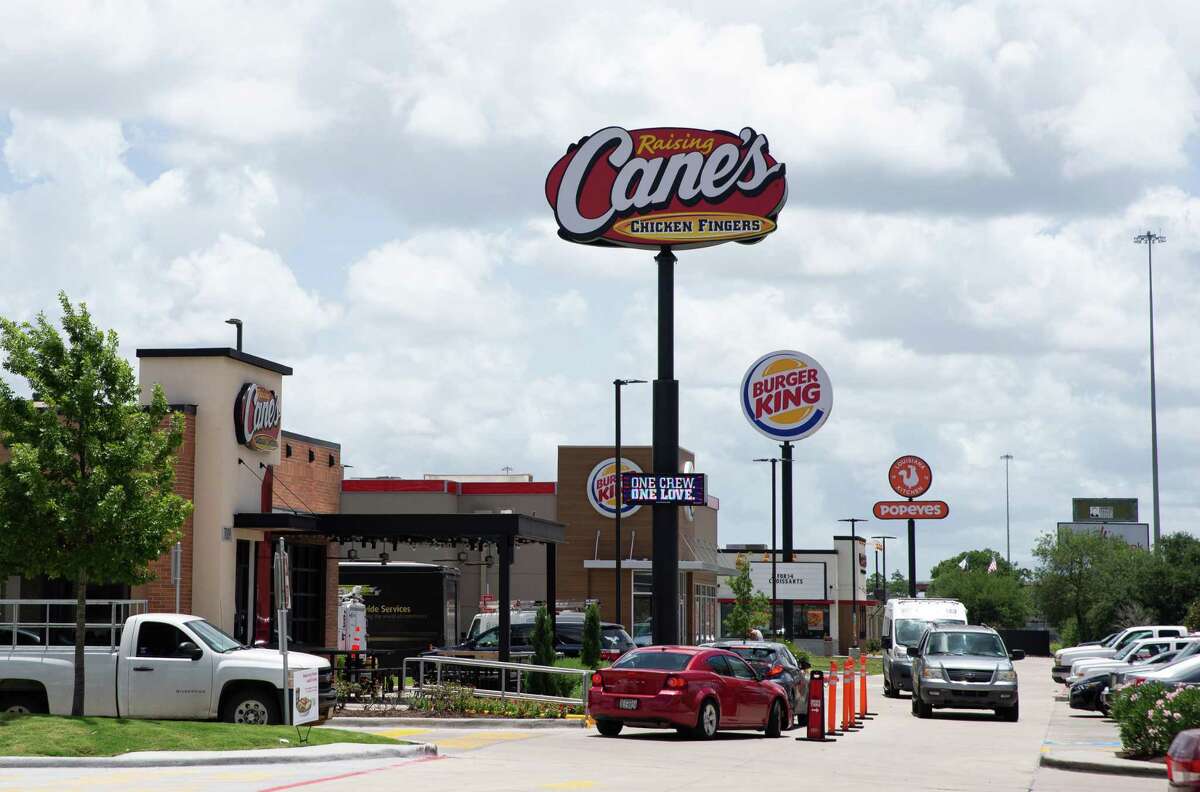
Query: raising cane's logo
[670, 186]
[602, 485]
[786, 395]
[256, 417]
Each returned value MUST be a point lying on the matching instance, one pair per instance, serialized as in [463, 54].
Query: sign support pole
[617, 601]
[665, 518]
[786, 505]
[912, 557]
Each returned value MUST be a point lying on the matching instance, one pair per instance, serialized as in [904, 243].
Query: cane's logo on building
[256, 417]
[786, 395]
[667, 186]
[603, 483]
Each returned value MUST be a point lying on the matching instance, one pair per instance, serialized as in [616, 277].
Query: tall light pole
[617, 385]
[1150, 239]
[885, 572]
[854, 521]
[1007, 526]
[774, 549]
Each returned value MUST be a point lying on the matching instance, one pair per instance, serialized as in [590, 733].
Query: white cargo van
[903, 622]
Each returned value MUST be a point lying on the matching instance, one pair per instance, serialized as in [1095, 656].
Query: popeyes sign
[786, 395]
[256, 417]
[667, 186]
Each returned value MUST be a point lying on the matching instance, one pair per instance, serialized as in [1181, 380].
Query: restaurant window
[643, 607]
[706, 612]
[308, 594]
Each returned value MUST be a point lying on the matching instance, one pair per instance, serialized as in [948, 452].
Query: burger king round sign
[602, 486]
[786, 395]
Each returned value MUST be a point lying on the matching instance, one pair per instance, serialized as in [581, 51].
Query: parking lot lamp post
[774, 553]
[854, 521]
[1007, 527]
[617, 385]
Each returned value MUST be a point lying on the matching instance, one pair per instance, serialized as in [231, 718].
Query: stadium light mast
[1150, 239]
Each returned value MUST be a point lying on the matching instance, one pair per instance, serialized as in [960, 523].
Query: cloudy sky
[363, 185]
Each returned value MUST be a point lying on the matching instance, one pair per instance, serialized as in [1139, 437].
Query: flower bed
[456, 701]
[1150, 716]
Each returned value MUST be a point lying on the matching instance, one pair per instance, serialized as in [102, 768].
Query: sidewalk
[1088, 742]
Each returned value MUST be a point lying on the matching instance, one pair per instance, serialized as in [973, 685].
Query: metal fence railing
[49, 623]
[470, 672]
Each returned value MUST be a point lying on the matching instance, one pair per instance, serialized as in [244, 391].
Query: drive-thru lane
[955, 750]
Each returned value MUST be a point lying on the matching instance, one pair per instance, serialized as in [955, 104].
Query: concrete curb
[334, 752]
[1114, 766]
[461, 723]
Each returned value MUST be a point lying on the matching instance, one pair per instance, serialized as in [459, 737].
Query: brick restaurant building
[226, 572]
[585, 567]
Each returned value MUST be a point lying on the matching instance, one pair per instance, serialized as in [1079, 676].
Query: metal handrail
[504, 669]
[119, 611]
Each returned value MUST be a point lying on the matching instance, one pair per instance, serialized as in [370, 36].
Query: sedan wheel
[708, 721]
[775, 720]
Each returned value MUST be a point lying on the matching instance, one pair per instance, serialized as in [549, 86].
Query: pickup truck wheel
[21, 704]
[253, 707]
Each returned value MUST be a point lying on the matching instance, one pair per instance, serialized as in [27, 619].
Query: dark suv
[963, 667]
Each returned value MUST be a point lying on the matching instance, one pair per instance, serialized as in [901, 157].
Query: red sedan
[691, 689]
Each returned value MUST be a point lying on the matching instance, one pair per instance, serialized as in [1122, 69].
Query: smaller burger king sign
[667, 186]
[786, 395]
[602, 485]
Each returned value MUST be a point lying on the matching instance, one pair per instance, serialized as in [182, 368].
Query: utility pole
[885, 571]
[774, 548]
[854, 521]
[1150, 239]
[1007, 525]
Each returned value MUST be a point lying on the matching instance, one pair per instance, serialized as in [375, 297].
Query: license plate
[628, 704]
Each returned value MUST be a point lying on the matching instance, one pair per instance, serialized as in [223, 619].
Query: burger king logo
[786, 395]
[673, 186]
[256, 417]
[603, 484]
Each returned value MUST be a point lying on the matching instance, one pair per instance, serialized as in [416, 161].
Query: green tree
[87, 495]
[1192, 618]
[1084, 578]
[1168, 578]
[589, 654]
[751, 609]
[544, 654]
[995, 598]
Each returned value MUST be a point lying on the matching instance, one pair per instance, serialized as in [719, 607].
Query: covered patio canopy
[503, 530]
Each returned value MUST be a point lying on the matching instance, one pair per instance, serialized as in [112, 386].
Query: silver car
[964, 667]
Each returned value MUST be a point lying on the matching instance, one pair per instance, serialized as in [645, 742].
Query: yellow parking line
[394, 733]
[469, 742]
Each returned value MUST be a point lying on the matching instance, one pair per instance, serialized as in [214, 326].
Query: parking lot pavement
[951, 751]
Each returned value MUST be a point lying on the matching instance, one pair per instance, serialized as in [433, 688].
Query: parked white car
[1133, 653]
[160, 665]
[1065, 658]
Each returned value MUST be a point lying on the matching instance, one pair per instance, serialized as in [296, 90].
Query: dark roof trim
[848, 537]
[313, 440]
[229, 352]
[767, 551]
[406, 526]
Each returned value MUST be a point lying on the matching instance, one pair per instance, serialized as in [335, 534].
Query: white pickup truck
[160, 665]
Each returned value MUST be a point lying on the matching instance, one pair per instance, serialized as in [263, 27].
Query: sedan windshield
[964, 643]
[653, 660]
[216, 638]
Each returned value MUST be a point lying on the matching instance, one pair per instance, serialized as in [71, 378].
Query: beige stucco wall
[223, 487]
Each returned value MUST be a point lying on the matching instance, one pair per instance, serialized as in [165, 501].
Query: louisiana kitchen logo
[786, 395]
[667, 186]
[256, 417]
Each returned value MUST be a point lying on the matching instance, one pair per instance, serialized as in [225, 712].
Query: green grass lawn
[874, 664]
[52, 735]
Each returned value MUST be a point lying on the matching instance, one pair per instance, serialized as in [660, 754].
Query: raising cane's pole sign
[256, 417]
[667, 187]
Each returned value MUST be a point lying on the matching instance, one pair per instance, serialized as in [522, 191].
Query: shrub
[590, 652]
[459, 700]
[873, 646]
[1150, 716]
[543, 655]
[1192, 619]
